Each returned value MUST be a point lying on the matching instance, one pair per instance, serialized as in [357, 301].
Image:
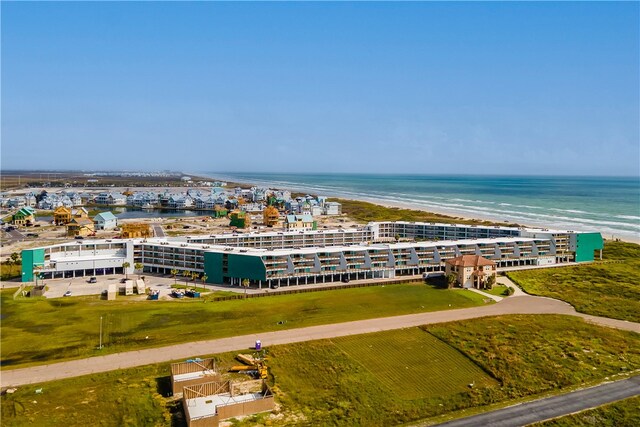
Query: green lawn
[498, 290]
[625, 413]
[366, 212]
[119, 398]
[72, 324]
[358, 380]
[607, 288]
[413, 364]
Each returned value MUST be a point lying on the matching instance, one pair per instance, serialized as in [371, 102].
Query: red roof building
[472, 271]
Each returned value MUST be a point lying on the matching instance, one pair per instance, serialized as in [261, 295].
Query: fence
[319, 289]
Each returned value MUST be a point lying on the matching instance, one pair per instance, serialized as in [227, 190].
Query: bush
[509, 291]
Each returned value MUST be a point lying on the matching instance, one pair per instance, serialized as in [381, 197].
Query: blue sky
[479, 88]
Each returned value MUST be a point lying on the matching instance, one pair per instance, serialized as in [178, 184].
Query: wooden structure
[136, 230]
[205, 405]
[270, 216]
[62, 215]
[80, 227]
[192, 372]
[24, 216]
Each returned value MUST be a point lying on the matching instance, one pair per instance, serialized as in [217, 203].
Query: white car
[67, 294]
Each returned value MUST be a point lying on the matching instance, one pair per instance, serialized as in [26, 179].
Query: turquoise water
[610, 205]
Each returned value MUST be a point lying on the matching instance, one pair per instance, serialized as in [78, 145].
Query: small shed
[112, 292]
[141, 287]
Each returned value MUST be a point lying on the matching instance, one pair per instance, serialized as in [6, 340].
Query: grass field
[73, 323]
[366, 212]
[340, 382]
[413, 364]
[118, 398]
[10, 271]
[625, 413]
[604, 288]
[498, 290]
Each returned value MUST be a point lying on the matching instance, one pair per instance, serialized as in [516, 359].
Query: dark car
[345, 280]
[79, 238]
[32, 235]
[93, 280]
[123, 280]
[10, 228]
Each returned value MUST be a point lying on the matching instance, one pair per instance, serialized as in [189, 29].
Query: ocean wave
[631, 217]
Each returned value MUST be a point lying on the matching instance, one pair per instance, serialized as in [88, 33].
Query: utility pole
[100, 347]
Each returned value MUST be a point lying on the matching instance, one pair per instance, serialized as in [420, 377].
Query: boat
[147, 206]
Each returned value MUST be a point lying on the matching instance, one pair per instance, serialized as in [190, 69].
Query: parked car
[79, 238]
[32, 235]
[93, 280]
[67, 294]
[123, 280]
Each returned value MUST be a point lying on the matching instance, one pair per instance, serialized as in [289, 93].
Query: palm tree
[491, 280]
[186, 275]
[245, 283]
[195, 276]
[138, 266]
[451, 280]
[125, 265]
[175, 273]
[204, 278]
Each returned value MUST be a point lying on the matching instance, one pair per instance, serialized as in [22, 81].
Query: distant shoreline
[402, 205]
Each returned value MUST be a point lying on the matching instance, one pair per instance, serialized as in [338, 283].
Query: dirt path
[74, 368]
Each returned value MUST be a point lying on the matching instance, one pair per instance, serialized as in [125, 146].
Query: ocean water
[610, 205]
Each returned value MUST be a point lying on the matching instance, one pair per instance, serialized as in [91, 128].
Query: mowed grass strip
[43, 331]
[414, 364]
[606, 288]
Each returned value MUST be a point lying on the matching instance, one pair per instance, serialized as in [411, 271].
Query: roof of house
[26, 211]
[470, 261]
[61, 210]
[303, 218]
[105, 216]
[81, 221]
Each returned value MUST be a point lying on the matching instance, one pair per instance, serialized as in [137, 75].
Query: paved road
[552, 407]
[74, 368]
[158, 231]
[14, 236]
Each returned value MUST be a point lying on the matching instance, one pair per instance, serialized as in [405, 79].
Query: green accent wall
[586, 243]
[213, 267]
[31, 258]
[246, 267]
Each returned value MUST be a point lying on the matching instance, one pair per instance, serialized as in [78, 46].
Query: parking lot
[80, 285]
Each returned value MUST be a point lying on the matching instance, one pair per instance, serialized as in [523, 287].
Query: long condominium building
[378, 250]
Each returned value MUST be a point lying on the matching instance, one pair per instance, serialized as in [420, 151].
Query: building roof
[81, 221]
[105, 216]
[470, 261]
[26, 211]
[303, 218]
